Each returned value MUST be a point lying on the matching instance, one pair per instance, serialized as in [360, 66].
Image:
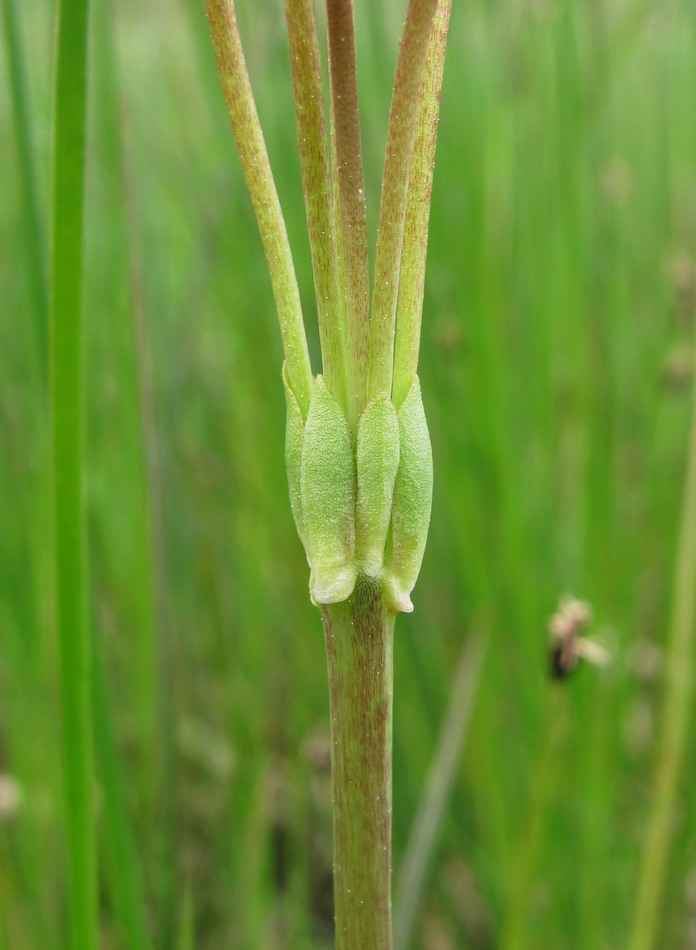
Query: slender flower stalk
[257, 171]
[316, 178]
[358, 454]
[415, 239]
[350, 199]
[397, 165]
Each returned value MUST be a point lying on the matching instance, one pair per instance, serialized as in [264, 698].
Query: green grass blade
[441, 777]
[675, 717]
[186, 937]
[25, 150]
[516, 933]
[67, 409]
[125, 868]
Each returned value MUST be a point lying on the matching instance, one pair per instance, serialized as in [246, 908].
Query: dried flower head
[567, 646]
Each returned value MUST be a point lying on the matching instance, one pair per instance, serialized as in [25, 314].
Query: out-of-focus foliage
[556, 368]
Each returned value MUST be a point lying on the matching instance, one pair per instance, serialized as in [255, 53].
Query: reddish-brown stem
[359, 647]
[400, 138]
[415, 237]
[350, 213]
[316, 179]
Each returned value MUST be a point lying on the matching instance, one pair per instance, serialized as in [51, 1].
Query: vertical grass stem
[67, 417]
[35, 237]
[678, 687]
[441, 778]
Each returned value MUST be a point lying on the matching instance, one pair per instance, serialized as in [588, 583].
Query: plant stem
[415, 239]
[359, 647]
[350, 212]
[264, 197]
[516, 934]
[441, 776]
[35, 236]
[675, 716]
[316, 179]
[67, 419]
[125, 864]
[405, 108]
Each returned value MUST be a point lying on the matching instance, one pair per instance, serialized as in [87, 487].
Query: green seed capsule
[413, 491]
[294, 437]
[327, 485]
[377, 464]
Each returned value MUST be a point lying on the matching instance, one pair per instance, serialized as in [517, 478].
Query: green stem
[359, 647]
[67, 417]
[441, 776]
[675, 722]
[350, 200]
[126, 870]
[33, 227]
[415, 240]
[264, 197]
[400, 138]
[516, 934]
[316, 179]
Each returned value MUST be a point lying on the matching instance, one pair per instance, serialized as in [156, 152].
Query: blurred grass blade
[154, 662]
[675, 717]
[441, 778]
[515, 933]
[67, 466]
[32, 221]
[186, 938]
[127, 882]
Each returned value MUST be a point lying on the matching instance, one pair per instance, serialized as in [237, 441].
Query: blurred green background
[556, 365]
